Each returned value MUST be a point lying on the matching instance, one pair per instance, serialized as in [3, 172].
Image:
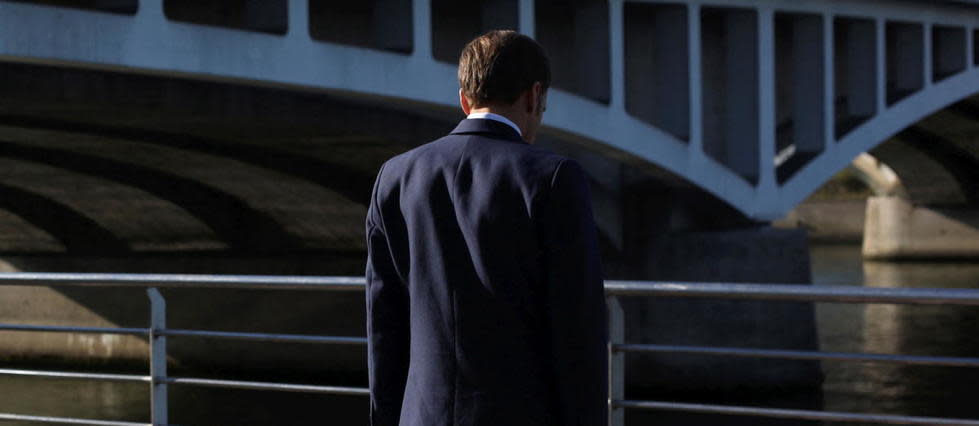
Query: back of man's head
[496, 67]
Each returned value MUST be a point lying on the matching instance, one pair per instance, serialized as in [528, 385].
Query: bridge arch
[762, 140]
[887, 128]
[73, 230]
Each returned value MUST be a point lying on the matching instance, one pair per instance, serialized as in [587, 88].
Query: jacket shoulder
[474, 144]
[536, 167]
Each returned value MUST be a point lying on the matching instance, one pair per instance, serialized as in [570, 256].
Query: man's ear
[535, 99]
[464, 103]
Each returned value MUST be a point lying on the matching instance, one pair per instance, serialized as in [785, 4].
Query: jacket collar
[488, 127]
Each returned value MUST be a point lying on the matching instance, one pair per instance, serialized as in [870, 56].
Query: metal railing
[618, 347]
[157, 333]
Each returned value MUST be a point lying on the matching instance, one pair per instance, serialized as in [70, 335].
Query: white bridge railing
[157, 333]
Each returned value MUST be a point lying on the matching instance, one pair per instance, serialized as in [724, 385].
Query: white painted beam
[696, 151]
[616, 56]
[298, 20]
[829, 82]
[422, 29]
[881, 55]
[526, 18]
[927, 54]
[766, 115]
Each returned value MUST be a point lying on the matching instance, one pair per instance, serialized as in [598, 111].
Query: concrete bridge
[210, 132]
[186, 106]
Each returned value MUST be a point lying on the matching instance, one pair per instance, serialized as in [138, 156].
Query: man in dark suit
[484, 290]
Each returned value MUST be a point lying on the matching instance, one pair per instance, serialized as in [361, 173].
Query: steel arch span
[758, 102]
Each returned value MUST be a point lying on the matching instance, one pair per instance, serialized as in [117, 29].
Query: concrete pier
[828, 221]
[659, 229]
[752, 255]
[897, 229]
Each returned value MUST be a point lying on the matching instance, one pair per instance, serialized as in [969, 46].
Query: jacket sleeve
[387, 323]
[575, 300]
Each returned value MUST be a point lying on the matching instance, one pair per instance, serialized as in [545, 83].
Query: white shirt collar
[496, 117]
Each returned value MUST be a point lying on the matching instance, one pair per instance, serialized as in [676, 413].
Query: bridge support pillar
[752, 255]
[680, 235]
[897, 229]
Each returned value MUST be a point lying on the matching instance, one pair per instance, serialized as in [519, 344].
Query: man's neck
[506, 113]
[496, 117]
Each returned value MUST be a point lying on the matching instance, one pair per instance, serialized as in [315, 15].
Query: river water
[911, 330]
[848, 386]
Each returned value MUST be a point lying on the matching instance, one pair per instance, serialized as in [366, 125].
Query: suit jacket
[484, 290]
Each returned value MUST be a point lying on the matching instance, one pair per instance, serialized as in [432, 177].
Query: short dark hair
[498, 66]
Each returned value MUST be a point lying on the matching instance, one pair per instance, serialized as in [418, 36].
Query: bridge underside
[104, 163]
[937, 158]
[120, 166]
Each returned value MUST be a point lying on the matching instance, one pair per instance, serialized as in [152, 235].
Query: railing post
[158, 358]
[616, 361]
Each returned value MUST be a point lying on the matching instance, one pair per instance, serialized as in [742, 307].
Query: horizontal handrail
[67, 420]
[933, 361]
[287, 387]
[196, 381]
[73, 375]
[796, 292]
[785, 413]
[261, 337]
[785, 292]
[73, 329]
[266, 337]
[195, 281]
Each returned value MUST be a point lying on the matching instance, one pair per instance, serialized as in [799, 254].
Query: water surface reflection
[897, 329]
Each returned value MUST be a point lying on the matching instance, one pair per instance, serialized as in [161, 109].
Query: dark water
[911, 330]
[848, 386]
